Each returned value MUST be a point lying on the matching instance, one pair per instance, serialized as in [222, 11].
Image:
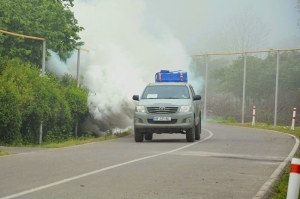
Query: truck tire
[138, 136]
[148, 136]
[198, 130]
[190, 134]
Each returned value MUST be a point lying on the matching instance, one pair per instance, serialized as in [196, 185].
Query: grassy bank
[279, 189]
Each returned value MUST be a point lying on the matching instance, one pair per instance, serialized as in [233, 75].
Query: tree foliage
[261, 74]
[52, 20]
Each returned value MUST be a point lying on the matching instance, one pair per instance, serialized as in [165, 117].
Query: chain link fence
[235, 82]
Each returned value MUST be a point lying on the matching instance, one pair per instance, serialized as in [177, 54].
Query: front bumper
[179, 122]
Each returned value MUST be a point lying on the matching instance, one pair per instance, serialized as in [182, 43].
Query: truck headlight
[184, 109]
[140, 109]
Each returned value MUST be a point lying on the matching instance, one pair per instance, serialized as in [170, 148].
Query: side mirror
[135, 97]
[197, 97]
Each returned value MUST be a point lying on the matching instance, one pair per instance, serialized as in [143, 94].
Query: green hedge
[27, 99]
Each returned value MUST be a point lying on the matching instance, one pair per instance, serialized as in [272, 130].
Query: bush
[10, 116]
[27, 99]
[231, 119]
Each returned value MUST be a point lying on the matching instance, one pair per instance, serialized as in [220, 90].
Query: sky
[130, 40]
[193, 21]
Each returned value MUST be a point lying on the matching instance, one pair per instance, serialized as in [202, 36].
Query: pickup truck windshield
[166, 92]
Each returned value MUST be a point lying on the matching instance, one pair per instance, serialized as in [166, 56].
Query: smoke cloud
[123, 58]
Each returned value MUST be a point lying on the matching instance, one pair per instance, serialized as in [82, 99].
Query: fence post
[294, 180]
[253, 116]
[293, 119]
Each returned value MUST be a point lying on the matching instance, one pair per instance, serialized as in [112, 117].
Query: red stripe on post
[294, 118]
[295, 168]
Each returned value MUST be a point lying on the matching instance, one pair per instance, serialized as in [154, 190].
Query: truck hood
[164, 102]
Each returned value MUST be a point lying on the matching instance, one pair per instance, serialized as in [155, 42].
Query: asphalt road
[228, 162]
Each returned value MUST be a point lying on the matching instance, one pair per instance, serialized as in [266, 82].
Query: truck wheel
[198, 130]
[148, 136]
[190, 134]
[138, 136]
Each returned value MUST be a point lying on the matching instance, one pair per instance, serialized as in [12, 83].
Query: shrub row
[27, 99]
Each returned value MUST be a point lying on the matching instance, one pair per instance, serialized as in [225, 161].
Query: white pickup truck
[167, 107]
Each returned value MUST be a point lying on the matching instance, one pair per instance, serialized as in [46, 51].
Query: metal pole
[244, 87]
[78, 64]
[76, 128]
[206, 77]
[44, 57]
[41, 133]
[276, 90]
[43, 73]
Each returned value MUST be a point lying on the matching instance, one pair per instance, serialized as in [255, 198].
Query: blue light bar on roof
[171, 76]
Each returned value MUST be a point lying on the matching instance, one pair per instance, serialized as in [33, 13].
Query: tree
[52, 20]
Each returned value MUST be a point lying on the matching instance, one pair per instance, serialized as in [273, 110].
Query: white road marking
[101, 170]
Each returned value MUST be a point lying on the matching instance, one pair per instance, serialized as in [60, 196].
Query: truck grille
[173, 121]
[162, 110]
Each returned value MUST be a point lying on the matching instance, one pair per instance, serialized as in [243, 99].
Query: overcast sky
[193, 21]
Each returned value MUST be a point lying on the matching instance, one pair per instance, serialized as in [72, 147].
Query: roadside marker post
[294, 180]
[293, 119]
[253, 116]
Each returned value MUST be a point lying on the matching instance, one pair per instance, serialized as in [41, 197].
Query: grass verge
[85, 140]
[279, 188]
[88, 138]
[5, 153]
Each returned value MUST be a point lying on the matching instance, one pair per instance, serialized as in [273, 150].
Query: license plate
[161, 118]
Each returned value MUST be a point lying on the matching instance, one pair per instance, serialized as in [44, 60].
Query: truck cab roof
[169, 83]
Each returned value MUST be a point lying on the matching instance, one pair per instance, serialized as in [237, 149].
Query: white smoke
[123, 57]
[55, 65]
